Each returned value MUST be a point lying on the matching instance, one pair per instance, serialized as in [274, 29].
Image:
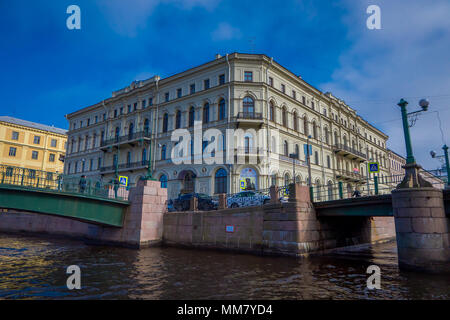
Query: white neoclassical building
[275, 109]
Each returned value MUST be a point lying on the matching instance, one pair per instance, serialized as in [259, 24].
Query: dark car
[205, 202]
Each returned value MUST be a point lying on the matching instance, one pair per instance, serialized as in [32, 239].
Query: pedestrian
[356, 193]
[83, 183]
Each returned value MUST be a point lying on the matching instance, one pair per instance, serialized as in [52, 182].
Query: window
[221, 79]
[206, 113]
[51, 157]
[37, 140]
[135, 106]
[315, 136]
[99, 163]
[117, 133]
[283, 88]
[327, 138]
[271, 81]
[305, 125]
[144, 102]
[284, 117]
[295, 120]
[104, 117]
[121, 110]
[222, 109]
[206, 84]
[166, 97]
[88, 122]
[312, 105]
[294, 94]
[248, 76]
[165, 122]
[150, 101]
[179, 93]
[12, 151]
[74, 126]
[178, 120]
[163, 180]
[128, 158]
[146, 127]
[248, 106]
[91, 164]
[272, 111]
[220, 181]
[286, 148]
[34, 155]
[144, 156]
[192, 88]
[191, 116]
[304, 100]
[163, 152]
[316, 157]
[53, 143]
[96, 119]
[15, 135]
[328, 162]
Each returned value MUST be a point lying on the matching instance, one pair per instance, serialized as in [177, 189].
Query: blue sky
[48, 71]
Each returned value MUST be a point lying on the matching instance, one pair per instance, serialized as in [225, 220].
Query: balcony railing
[125, 138]
[127, 166]
[250, 115]
[348, 175]
[288, 159]
[338, 147]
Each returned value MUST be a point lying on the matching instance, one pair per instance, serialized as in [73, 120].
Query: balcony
[130, 139]
[297, 161]
[132, 166]
[349, 176]
[349, 152]
[249, 119]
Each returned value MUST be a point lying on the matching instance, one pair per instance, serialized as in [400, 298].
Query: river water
[35, 268]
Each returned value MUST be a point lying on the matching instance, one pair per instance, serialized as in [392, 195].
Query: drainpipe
[267, 121]
[155, 124]
[229, 120]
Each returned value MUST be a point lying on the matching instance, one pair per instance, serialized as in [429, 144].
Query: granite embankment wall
[288, 229]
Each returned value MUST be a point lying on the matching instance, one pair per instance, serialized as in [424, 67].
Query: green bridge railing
[51, 181]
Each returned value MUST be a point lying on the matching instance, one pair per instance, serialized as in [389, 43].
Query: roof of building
[390, 150]
[34, 125]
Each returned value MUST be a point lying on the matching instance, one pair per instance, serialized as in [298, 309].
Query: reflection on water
[34, 268]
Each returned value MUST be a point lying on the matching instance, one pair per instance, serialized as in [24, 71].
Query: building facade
[275, 110]
[396, 170]
[31, 145]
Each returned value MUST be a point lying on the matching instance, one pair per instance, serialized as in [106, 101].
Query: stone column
[421, 229]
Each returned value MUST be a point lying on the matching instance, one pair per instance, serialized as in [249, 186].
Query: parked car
[247, 199]
[205, 202]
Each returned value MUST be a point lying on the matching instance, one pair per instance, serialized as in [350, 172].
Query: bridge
[45, 193]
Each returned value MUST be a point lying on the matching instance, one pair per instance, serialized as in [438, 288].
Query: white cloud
[225, 31]
[409, 58]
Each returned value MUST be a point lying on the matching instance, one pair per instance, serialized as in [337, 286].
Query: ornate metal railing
[250, 115]
[340, 146]
[126, 138]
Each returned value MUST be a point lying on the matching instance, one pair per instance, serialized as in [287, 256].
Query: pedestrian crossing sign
[123, 181]
[373, 167]
[242, 182]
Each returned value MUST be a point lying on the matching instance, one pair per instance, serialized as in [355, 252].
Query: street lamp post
[412, 177]
[447, 165]
[149, 167]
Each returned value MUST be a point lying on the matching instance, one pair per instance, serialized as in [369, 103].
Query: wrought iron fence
[50, 181]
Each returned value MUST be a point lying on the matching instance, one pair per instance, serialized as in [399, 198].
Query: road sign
[305, 149]
[229, 228]
[242, 184]
[123, 181]
[373, 167]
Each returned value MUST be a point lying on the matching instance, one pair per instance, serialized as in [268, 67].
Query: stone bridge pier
[422, 229]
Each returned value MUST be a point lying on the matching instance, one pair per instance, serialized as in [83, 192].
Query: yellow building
[31, 145]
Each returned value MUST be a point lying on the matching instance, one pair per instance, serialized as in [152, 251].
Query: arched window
[222, 109]
[163, 180]
[130, 131]
[220, 181]
[330, 190]
[144, 157]
[284, 117]
[274, 179]
[271, 111]
[305, 126]
[297, 151]
[314, 130]
[286, 149]
[165, 122]
[191, 116]
[247, 144]
[206, 113]
[318, 190]
[146, 126]
[336, 138]
[128, 158]
[316, 157]
[117, 134]
[286, 180]
[328, 162]
[163, 152]
[345, 141]
[295, 120]
[178, 120]
[325, 132]
[248, 106]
